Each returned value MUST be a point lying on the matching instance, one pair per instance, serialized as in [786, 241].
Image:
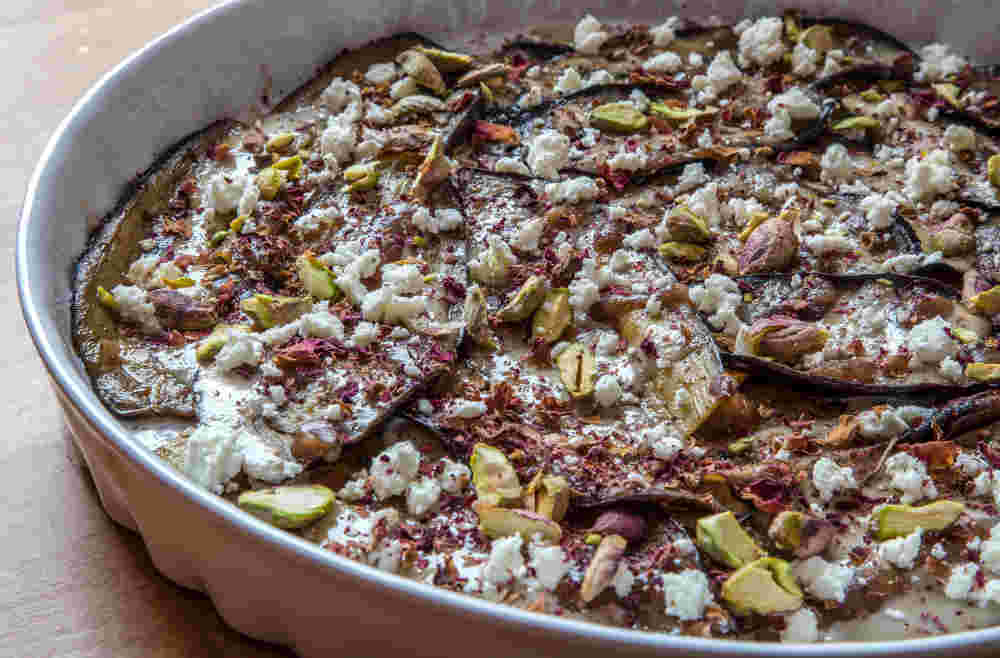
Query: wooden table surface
[72, 583]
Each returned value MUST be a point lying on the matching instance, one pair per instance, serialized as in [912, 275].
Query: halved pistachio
[487, 94]
[179, 282]
[683, 225]
[993, 170]
[684, 252]
[770, 248]
[270, 181]
[900, 520]
[765, 586]
[576, 369]
[236, 226]
[503, 522]
[553, 316]
[603, 566]
[986, 302]
[528, 297]
[474, 316]
[493, 265]
[270, 311]
[279, 142]
[106, 298]
[420, 67]
[856, 123]
[784, 338]
[801, 534]
[552, 497]
[983, 372]
[218, 237]
[292, 165]
[818, 37]
[739, 446]
[665, 111]
[445, 60]
[756, 219]
[949, 92]
[872, 95]
[292, 506]
[210, 345]
[361, 177]
[955, 236]
[432, 171]
[316, 277]
[618, 117]
[417, 104]
[493, 476]
[725, 540]
[488, 72]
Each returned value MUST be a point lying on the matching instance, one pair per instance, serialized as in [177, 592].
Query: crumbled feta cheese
[704, 202]
[623, 581]
[721, 75]
[937, 62]
[589, 36]
[422, 495]
[961, 581]
[548, 154]
[134, 307]
[627, 160]
[211, 456]
[909, 475]
[573, 190]
[362, 267]
[641, 239]
[224, 193]
[665, 442]
[836, 163]
[829, 477]
[528, 235]
[506, 562]
[878, 210]
[639, 100]
[607, 390]
[805, 60]
[829, 244]
[960, 138]
[691, 177]
[686, 594]
[454, 476]
[931, 341]
[365, 334]
[241, 349]
[825, 580]
[339, 139]
[761, 43]
[902, 551]
[880, 424]
[531, 98]
[511, 166]
[569, 81]
[989, 550]
[441, 220]
[666, 62]
[261, 462]
[796, 102]
[339, 93]
[394, 468]
[550, 564]
[600, 77]
[696, 60]
[665, 33]
[403, 87]
[951, 369]
[320, 323]
[719, 297]
[583, 292]
[834, 63]
[380, 73]
[354, 490]
[929, 177]
[801, 626]
[469, 408]
[938, 552]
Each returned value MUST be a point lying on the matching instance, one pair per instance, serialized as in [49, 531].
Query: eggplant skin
[133, 384]
[957, 417]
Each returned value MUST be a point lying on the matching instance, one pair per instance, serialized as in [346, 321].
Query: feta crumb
[691, 177]
[224, 193]
[929, 177]
[531, 98]
[805, 60]
[796, 102]
[639, 100]
[961, 581]
[403, 87]
[829, 477]
[506, 562]
[548, 154]
[665, 33]
[241, 349]
[422, 495]
[902, 551]
[627, 160]
[878, 210]
[261, 462]
[569, 81]
[211, 456]
[696, 60]
[989, 553]
[960, 138]
[573, 190]
[930, 341]
[937, 62]
[666, 62]
[362, 267]
[440, 221]
[588, 37]
[365, 334]
[722, 74]
[801, 626]
[354, 490]
[549, 563]
[381, 72]
[623, 581]
[664, 441]
[836, 163]
[339, 93]
[761, 43]
[600, 77]
[320, 323]
[938, 552]
[454, 477]
[607, 390]
[825, 580]
[339, 139]
[909, 475]
[686, 594]
[394, 468]
[133, 305]
[641, 239]
[719, 297]
[511, 166]
[468, 408]
[951, 369]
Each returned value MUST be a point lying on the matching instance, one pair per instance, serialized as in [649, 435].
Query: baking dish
[265, 583]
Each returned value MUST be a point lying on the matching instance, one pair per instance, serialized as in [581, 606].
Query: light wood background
[72, 583]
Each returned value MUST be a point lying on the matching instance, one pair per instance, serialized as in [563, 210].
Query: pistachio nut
[291, 165]
[488, 72]
[672, 113]
[493, 476]
[576, 369]
[900, 520]
[765, 586]
[211, 344]
[983, 372]
[801, 534]
[603, 567]
[316, 278]
[683, 252]
[955, 236]
[739, 446]
[622, 522]
[993, 170]
[725, 540]
[553, 316]
[417, 104]
[432, 171]
[770, 248]
[362, 177]
[503, 522]
[487, 94]
[783, 338]
[279, 142]
[474, 316]
[218, 237]
[292, 506]
[493, 265]
[236, 226]
[756, 219]
[270, 181]
[528, 297]
[872, 95]
[856, 123]
[552, 497]
[419, 66]
[618, 117]
[986, 302]
[179, 282]
[446, 60]
[269, 311]
[683, 225]
[106, 299]
[818, 37]
[949, 92]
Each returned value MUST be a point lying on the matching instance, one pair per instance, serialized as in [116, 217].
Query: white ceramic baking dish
[264, 582]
